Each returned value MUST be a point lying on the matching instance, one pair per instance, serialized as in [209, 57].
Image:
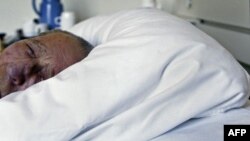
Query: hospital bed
[151, 76]
[228, 21]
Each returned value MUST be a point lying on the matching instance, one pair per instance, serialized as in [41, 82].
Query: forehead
[42, 40]
[57, 39]
[51, 42]
[49, 35]
[54, 36]
[15, 48]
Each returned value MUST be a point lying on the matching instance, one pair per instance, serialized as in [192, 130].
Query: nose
[23, 76]
[22, 73]
[15, 74]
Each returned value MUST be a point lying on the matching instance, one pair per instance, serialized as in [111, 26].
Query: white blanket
[149, 73]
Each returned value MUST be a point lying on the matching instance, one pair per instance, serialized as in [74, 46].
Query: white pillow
[149, 72]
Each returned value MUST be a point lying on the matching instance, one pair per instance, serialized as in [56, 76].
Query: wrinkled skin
[30, 61]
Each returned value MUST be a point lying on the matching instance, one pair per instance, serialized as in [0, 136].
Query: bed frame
[228, 21]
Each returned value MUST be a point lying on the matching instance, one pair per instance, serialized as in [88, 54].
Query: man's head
[29, 61]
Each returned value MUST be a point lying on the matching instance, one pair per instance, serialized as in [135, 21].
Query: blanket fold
[148, 73]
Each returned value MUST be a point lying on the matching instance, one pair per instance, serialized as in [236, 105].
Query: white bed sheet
[149, 74]
[207, 128]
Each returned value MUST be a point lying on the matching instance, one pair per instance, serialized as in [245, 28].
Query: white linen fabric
[149, 73]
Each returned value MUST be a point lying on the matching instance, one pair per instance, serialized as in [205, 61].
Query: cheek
[60, 60]
[59, 66]
[2, 74]
[52, 65]
[4, 83]
[4, 61]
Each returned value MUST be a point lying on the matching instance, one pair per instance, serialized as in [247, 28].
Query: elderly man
[30, 61]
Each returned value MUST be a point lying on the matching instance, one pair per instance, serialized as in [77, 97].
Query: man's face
[29, 61]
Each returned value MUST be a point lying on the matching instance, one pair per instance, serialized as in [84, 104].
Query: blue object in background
[50, 12]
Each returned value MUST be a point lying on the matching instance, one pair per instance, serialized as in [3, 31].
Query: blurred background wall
[14, 13]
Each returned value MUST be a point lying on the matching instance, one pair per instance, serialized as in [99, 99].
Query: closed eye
[30, 51]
